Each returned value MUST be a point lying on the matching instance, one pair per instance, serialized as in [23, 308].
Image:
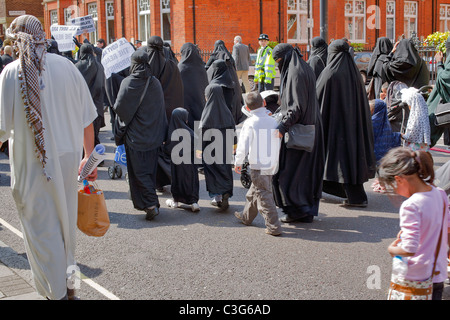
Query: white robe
[47, 209]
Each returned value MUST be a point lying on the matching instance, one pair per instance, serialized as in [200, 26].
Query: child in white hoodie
[259, 142]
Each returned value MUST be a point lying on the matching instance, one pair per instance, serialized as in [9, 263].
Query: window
[92, 10]
[410, 11]
[165, 20]
[144, 19]
[355, 20]
[390, 20]
[54, 17]
[71, 12]
[297, 25]
[444, 20]
[110, 36]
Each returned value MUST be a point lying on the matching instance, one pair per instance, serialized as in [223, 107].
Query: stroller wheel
[246, 180]
[111, 172]
[118, 171]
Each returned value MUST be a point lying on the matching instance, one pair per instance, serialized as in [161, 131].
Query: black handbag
[300, 137]
[442, 114]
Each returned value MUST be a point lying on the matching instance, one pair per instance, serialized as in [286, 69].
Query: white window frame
[444, 16]
[349, 10]
[299, 12]
[390, 14]
[93, 11]
[109, 17]
[163, 10]
[409, 13]
[53, 17]
[145, 14]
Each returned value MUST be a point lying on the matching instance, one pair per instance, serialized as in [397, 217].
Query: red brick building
[10, 9]
[293, 21]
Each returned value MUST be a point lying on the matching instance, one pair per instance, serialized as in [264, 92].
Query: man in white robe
[46, 199]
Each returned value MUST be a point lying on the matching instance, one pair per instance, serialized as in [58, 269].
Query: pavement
[16, 281]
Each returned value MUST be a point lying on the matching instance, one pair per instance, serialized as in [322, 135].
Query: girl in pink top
[422, 216]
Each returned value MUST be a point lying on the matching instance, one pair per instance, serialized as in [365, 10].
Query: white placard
[64, 36]
[85, 24]
[117, 56]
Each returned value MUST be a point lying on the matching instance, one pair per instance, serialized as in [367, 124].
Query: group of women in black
[157, 96]
[327, 92]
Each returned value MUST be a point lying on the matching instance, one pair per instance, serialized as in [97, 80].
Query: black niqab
[347, 123]
[195, 81]
[299, 105]
[220, 72]
[406, 66]
[375, 69]
[216, 114]
[166, 71]
[146, 122]
[185, 182]
[94, 75]
[319, 54]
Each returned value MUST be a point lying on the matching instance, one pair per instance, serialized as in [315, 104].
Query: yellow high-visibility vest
[264, 65]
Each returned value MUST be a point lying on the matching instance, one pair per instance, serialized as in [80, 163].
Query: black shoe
[224, 203]
[360, 205]
[287, 219]
[151, 213]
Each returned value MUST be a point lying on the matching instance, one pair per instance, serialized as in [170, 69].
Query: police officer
[264, 65]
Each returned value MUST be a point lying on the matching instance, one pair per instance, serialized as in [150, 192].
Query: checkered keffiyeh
[29, 37]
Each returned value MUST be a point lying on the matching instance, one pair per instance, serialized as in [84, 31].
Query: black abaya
[195, 80]
[375, 69]
[405, 65]
[145, 127]
[297, 185]
[347, 125]
[319, 52]
[217, 121]
[166, 71]
[185, 182]
[221, 53]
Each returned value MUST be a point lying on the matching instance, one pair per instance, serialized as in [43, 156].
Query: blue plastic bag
[120, 156]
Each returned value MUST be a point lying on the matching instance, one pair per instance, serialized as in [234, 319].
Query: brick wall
[224, 19]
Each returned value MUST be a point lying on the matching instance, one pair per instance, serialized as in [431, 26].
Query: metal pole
[324, 19]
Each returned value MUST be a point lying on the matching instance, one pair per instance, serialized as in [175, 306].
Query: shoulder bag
[300, 137]
[442, 114]
[402, 289]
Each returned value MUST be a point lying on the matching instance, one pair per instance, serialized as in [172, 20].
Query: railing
[427, 53]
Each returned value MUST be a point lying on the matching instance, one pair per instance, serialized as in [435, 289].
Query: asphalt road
[210, 255]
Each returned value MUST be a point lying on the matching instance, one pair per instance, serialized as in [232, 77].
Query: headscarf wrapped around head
[29, 37]
[418, 127]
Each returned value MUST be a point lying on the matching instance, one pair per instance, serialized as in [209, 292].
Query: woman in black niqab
[145, 128]
[185, 182]
[299, 201]
[347, 127]
[375, 69]
[405, 65]
[94, 75]
[319, 52]
[218, 137]
[221, 53]
[195, 80]
[220, 73]
[166, 71]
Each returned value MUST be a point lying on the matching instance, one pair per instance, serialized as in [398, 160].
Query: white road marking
[84, 278]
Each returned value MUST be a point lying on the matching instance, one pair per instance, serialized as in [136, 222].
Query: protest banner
[85, 24]
[64, 36]
[117, 56]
